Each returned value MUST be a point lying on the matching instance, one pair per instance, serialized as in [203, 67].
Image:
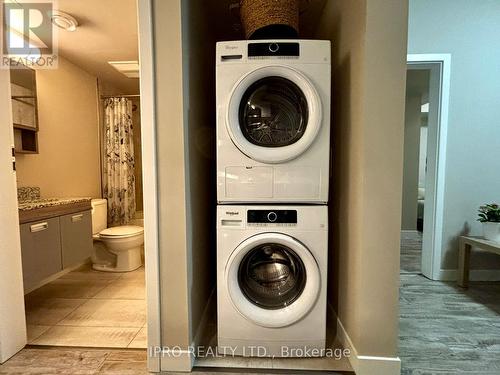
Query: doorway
[13, 338]
[424, 164]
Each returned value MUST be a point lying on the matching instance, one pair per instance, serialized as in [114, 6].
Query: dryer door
[274, 114]
[273, 279]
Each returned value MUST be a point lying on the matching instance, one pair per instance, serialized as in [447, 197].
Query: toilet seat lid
[122, 231]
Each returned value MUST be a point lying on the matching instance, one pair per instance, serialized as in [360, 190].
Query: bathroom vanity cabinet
[76, 238]
[41, 250]
[53, 244]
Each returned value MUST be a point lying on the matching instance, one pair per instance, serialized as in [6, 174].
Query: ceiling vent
[129, 69]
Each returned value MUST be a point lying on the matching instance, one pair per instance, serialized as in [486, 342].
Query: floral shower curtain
[118, 176]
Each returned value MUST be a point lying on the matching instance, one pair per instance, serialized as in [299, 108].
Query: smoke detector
[63, 20]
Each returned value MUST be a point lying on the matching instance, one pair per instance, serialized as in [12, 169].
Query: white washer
[271, 279]
[273, 121]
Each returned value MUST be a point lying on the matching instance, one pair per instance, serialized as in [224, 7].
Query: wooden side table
[465, 246]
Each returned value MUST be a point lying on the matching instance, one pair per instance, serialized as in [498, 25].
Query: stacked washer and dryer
[273, 169]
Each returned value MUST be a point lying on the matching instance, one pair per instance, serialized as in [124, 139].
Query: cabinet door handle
[39, 227]
[78, 217]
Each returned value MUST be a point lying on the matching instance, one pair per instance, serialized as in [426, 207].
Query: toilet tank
[99, 215]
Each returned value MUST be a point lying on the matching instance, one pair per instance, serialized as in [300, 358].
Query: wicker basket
[272, 19]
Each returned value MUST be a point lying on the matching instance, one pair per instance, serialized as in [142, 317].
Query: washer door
[274, 114]
[273, 280]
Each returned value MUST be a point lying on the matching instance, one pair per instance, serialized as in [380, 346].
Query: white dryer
[273, 121]
[271, 279]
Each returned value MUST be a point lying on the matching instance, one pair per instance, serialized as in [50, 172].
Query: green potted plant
[489, 215]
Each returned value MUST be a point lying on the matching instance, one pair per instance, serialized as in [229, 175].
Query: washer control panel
[264, 217]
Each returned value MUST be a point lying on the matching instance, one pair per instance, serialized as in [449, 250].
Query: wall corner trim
[367, 365]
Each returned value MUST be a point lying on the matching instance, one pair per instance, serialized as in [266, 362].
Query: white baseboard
[177, 360]
[367, 365]
[474, 275]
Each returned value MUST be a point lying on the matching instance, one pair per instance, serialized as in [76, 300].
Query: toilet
[123, 242]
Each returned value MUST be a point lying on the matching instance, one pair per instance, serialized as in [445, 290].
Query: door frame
[12, 314]
[12, 317]
[149, 182]
[432, 243]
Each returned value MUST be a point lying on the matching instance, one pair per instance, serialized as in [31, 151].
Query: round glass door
[273, 112]
[272, 276]
[272, 279]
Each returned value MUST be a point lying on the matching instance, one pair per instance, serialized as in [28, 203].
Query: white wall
[469, 31]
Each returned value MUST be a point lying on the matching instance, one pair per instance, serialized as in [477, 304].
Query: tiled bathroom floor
[89, 308]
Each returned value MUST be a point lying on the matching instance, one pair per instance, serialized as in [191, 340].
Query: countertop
[45, 208]
[48, 202]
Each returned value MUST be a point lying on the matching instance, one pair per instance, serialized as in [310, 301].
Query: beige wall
[412, 126]
[198, 44]
[344, 23]
[136, 121]
[368, 67]
[385, 72]
[67, 164]
[185, 132]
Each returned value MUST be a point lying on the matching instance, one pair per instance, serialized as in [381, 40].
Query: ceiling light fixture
[128, 68]
[64, 21]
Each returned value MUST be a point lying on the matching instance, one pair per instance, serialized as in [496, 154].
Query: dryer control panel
[272, 216]
[289, 51]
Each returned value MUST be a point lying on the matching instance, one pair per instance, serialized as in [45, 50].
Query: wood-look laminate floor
[443, 330]
[411, 252]
[448, 330]
[73, 361]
